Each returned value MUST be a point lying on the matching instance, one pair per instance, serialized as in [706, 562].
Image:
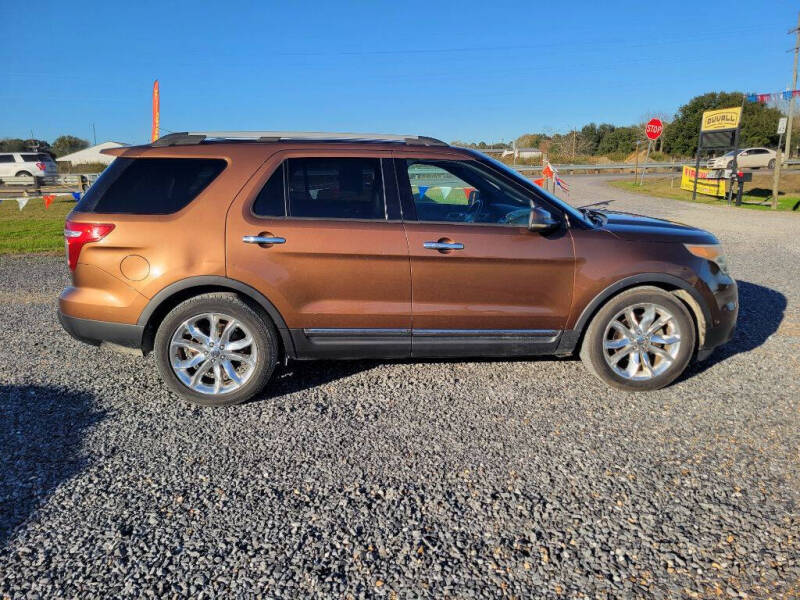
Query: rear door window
[336, 188]
[150, 186]
[270, 201]
[6, 158]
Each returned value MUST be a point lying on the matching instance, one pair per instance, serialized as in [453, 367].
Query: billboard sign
[721, 119]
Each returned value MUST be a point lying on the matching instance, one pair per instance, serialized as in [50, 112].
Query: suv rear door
[504, 290]
[336, 261]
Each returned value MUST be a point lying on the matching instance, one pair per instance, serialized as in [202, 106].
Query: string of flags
[764, 98]
[550, 172]
[22, 201]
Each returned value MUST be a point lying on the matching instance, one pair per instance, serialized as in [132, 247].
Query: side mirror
[541, 220]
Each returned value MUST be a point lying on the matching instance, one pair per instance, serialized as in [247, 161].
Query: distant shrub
[67, 167]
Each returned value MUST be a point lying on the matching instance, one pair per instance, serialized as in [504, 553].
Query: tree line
[61, 146]
[759, 128]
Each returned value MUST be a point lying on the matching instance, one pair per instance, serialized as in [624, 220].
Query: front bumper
[96, 332]
[722, 326]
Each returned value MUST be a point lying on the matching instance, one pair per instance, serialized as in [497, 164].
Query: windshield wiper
[601, 203]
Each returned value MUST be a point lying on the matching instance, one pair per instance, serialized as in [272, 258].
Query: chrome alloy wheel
[213, 353]
[642, 341]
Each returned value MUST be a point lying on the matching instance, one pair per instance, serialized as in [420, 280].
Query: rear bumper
[96, 332]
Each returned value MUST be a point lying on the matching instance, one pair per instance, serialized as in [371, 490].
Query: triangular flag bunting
[445, 192]
[422, 190]
[468, 191]
[76, 195]
[22, 202]
[48, 200]
[539, 182]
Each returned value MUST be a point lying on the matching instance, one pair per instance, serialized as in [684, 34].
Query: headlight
[712, 252]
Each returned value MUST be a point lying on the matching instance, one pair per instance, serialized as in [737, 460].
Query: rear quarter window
[150, 186]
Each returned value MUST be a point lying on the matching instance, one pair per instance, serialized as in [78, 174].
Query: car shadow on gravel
[41, 430]
[760, 314]
[302, 375]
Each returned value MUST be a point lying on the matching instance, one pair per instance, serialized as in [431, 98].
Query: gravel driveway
[526, 479]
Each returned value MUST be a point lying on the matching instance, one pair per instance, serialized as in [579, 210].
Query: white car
[753, 158]
[27, 164]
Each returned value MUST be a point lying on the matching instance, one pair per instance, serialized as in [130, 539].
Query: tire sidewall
[264, 338]
[593, 350]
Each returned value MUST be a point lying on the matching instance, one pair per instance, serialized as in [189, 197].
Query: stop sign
[654, 129]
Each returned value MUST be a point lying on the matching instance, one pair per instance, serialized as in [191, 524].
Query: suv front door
[498, 288]
[335, 263]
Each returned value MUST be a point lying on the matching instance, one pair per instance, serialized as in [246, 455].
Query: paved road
[428, 479]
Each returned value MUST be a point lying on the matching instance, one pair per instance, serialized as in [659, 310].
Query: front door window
[455, 191]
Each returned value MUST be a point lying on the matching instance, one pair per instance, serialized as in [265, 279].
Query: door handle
[443, 246]
[263, 239]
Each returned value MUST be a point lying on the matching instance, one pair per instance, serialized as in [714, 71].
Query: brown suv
[227, 252]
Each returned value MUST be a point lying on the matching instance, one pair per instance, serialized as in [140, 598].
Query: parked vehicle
[27, 164]
[226, 253]
[749, 158]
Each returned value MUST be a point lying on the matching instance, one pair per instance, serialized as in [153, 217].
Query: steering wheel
[473, 211]
[519, 214]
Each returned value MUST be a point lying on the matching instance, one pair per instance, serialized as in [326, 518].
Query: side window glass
[336, 188]
[464, 192]
[270, 201]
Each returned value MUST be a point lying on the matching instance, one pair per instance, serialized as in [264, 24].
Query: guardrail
[66, 180]
[650, 166]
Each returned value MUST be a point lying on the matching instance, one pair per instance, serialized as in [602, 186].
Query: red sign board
[654, 129]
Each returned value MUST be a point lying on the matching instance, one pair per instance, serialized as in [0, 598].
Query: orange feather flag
[48, 200]
[156, 111]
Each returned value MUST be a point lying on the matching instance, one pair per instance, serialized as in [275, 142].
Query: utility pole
[796, 31]
[574, 138]
[94, 134]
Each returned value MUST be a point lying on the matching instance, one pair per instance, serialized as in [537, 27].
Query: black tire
[771, 164]
[265, 338]
[593, 353]
[23, 174]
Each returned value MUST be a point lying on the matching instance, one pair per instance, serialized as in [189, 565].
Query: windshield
[572, 212]
[731, 153]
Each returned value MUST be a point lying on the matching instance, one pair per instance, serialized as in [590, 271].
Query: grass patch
[757, 193]
[34, 228]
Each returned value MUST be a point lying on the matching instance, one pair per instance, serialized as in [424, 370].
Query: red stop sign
[654, 129]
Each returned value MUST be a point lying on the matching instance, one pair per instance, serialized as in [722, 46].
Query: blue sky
[467, 70]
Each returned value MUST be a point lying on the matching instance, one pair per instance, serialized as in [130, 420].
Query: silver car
[752, 158]
[27, 164]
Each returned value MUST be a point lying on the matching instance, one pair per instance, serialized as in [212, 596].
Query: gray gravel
[429, 479]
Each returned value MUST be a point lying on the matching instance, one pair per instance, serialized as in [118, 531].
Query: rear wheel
[23, 174]
[215, 350]
[641, 340]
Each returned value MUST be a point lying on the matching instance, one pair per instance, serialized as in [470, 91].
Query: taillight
[40, 166]
[78, 234]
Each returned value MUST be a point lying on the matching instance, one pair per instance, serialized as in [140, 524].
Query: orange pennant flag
[48, 200]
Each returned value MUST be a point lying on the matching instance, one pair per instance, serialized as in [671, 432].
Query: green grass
[34, 228]
[754, 198]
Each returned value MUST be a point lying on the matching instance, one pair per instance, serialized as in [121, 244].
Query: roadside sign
[654, 129]
[782, 125]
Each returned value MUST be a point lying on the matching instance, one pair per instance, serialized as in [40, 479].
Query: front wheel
[215, 350]
[641, 340]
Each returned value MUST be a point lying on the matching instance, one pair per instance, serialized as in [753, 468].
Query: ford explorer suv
[27, 164]
[226, 253]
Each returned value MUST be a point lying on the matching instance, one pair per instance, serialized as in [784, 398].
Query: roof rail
[196, 137]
